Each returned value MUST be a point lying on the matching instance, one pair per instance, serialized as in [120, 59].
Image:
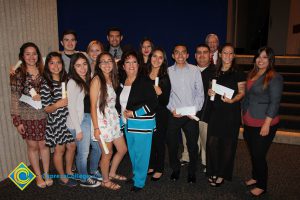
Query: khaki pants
[201, 144]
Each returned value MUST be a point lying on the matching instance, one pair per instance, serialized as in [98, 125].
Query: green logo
[22, 176]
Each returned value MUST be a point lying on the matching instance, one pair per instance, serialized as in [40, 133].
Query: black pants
[157, 158]
[258, 147]
[191, 130]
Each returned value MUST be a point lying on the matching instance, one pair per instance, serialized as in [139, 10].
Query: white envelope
[27, 99]
[188, 110]
[221, 90]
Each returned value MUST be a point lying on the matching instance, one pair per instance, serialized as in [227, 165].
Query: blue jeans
[83, 147]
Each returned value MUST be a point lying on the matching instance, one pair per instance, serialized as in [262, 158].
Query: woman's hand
[97, 134]
[36, 97]
[128, 114]
[79, 136]
[21, 129]
[226, 100]
[157, 90]
[211, 92]
[62, 103]
[264, 131]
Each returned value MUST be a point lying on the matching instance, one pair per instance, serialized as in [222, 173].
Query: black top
[141, 94]
[165, 86]
[87, 104]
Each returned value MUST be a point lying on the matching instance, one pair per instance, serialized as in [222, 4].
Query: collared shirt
[186, 87]
[202, 68]
[116, 52]
[215, 57]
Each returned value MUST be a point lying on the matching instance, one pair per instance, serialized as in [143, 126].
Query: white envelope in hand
[188, 110]
[221, 90]
[35, 104]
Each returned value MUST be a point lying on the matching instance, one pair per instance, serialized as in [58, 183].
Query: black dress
[223, 128]
[157, 157]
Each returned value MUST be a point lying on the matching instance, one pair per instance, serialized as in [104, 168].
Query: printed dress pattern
[109, 123]
[56, 128]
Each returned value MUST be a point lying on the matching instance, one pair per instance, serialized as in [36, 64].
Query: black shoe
[150, 173]
[183, 162]
[135, 189]
[156, 179]
[216, 184]
[175, 175]
[191, 178]
[129, 181]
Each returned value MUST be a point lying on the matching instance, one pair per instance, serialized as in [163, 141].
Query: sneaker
[70, 183]
[96, 176]
[90, 183]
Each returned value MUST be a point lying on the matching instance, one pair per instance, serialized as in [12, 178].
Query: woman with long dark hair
[105, 119]
[55, 104]
[260, 115]
[31, 122]
[79, 119]
[225, 119]
[158, 70]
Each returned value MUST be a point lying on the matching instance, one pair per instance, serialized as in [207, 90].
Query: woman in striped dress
[57, 133]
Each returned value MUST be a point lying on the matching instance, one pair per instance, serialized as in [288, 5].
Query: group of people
[116, 99]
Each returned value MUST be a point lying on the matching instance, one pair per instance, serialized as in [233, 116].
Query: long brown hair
[39, 63]
[270, 72]
[83, 84]
[113, 76]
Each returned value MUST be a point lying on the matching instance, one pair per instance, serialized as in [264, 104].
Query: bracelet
[96, 129]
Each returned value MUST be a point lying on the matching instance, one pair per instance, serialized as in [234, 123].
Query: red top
[249, 120]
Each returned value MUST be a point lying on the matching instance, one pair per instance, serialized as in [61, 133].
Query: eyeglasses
[106, 62]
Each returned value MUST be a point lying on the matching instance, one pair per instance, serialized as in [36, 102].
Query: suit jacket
[262, 103]
[207, 75]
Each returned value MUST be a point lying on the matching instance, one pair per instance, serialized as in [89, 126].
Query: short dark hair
[114, 29]
[180, 44]
[202, 45]
[67, 32]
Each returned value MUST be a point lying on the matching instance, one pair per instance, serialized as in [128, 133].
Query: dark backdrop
[166, 22]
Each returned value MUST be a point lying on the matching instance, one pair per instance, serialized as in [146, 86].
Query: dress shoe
[175, 175]
[191, 178]
[216, 184]
[156, 178]
[257, 195]
[129, 181]
[135, 189]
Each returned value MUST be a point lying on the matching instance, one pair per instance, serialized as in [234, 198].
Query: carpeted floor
[284, 179]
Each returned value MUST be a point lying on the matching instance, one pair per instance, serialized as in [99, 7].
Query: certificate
[188, 110]
[27, 99]
[221, 90]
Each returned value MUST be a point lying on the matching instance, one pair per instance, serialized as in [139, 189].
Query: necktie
[212, 59]
[115, 53]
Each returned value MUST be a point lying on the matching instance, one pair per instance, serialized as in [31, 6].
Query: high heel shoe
[48, 181]
[150, 173]
[252, 182]
[259, 194]
[41, 184]
[156, 178]
[217, 184]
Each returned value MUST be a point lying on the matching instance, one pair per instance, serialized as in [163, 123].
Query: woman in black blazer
[158, 69]
[260, 115]
[137, 103]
